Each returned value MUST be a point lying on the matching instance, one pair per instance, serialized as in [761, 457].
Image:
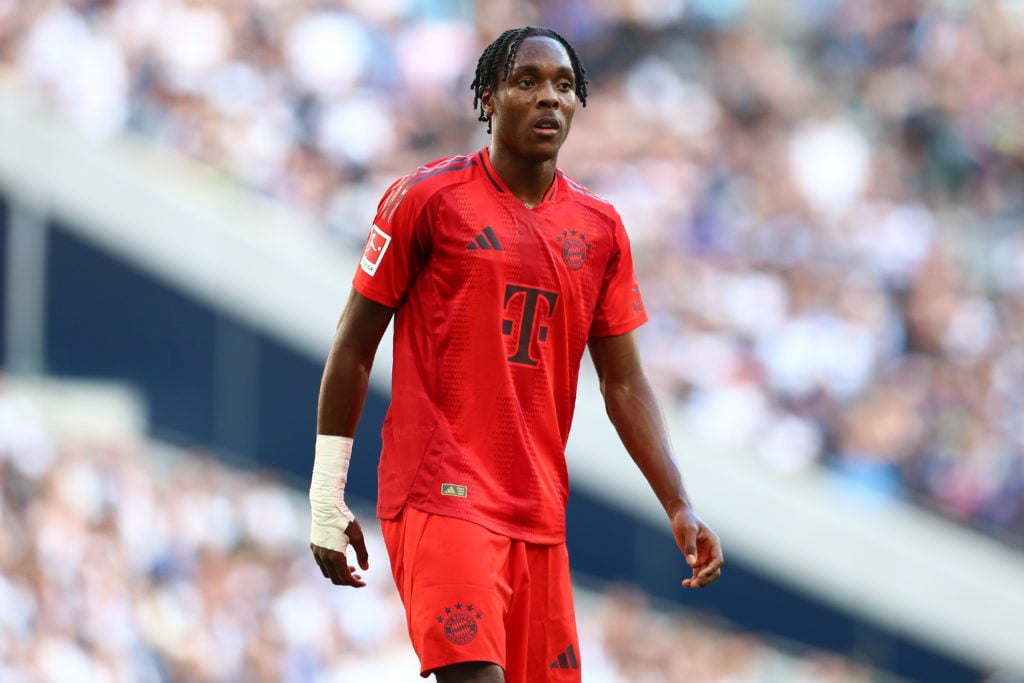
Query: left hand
[700, 546]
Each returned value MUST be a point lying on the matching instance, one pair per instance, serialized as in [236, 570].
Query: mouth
[547, 126]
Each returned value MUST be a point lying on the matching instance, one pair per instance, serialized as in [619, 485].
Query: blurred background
[825, 199]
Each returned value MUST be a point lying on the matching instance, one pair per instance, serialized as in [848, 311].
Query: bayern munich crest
[574, 248]
[460, 623]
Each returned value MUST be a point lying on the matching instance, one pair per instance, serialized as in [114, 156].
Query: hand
[334, 564]
[700, 546]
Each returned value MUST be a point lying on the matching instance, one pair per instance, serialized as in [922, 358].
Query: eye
[565, 86]
[525, 82]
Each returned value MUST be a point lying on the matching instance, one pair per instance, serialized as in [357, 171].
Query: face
[532, 109]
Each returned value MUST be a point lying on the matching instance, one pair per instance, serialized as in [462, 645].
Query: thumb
[356, 540]
[690, 545]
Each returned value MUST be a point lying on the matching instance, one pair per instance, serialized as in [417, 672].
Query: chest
[484, 243]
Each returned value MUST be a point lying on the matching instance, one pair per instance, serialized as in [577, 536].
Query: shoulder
[417, 188]
[585, 198]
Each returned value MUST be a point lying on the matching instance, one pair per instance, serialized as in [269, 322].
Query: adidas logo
[487, 239]
[566, 660]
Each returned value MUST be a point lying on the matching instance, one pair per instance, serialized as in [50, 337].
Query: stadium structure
[125, 266]
[824, 202]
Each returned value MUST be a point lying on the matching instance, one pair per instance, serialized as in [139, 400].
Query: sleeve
[620, 308]
[393, 253]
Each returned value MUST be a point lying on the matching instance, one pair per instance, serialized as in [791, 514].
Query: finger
[319, 562]
[349, 577]
[715, 565]
[358, 542]
[336, 568]
[716, 559]
[341, 571]
[709, 579]
[699, 582]
[692, 580]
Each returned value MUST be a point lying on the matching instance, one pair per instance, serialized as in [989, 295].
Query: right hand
[334, 563]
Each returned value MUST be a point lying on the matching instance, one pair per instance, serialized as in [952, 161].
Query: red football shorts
[472, 595]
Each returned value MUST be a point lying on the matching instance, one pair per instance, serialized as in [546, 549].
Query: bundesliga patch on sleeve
[376, 246]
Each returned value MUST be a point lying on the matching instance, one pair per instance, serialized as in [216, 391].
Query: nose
[547, 96]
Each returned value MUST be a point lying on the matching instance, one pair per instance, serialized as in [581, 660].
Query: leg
[554, 650]
[455, 594]
[470, 672]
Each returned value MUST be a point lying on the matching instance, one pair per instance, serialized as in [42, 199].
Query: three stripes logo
[566, 660]
[487, 239]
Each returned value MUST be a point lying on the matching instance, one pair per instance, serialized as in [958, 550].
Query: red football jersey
[495, 304]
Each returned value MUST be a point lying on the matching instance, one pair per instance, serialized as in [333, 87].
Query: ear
[487, 102]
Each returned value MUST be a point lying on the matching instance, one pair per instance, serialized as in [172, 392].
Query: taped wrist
[331, 516]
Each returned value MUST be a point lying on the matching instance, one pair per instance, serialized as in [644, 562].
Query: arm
[342, 395]
[347, 370]
[633, 410]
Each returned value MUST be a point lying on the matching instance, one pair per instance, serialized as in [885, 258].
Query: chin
[541, 152]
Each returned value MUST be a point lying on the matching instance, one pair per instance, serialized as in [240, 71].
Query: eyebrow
[535, 70]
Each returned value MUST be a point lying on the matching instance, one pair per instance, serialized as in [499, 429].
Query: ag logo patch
[574, 248]
[460, 623]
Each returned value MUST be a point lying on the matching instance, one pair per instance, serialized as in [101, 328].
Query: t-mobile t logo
[527, 319]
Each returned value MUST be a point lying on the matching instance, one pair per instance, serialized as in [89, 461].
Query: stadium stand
[828, 233]
[147, 277]
[829, 236]
[128, 560]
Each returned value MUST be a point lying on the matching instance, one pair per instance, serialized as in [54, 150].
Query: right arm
[343, 391]
[347, 371]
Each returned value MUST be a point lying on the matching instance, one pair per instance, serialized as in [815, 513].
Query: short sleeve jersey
[495, 303]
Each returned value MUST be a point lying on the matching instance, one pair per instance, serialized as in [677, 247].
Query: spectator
[123, 561]
[823, 197]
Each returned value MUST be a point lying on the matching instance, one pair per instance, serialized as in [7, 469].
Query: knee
[470, 672]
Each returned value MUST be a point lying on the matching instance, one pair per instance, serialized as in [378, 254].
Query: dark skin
[539, 91]
[531, 114]
[343, 390]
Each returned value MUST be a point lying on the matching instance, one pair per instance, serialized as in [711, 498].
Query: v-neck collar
[501, 188]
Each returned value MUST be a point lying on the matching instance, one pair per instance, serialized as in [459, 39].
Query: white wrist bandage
[327, 492]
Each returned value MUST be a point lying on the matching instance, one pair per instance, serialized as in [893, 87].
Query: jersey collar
[499, 185]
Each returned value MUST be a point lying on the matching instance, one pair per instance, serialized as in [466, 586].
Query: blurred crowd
[127, 561]
[824, 195]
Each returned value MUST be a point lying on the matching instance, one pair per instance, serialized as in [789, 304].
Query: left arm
[633, 410]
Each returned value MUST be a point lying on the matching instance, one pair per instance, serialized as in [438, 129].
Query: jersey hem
[489, 524]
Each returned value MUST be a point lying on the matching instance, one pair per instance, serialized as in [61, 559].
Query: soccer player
[499, 269]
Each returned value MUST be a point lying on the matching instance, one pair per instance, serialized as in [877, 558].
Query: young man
[498, 269]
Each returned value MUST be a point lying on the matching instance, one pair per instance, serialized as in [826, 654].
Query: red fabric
[473, 595]
[495, 304]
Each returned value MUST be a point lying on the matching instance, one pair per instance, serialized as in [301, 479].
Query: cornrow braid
[502, 52]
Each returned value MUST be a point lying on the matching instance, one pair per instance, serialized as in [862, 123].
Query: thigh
[553, 651]
[470, 672]
[452, 578]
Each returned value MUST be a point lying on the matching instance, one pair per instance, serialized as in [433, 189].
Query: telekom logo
[532, 299]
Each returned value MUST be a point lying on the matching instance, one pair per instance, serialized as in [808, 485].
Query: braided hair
[502, 52]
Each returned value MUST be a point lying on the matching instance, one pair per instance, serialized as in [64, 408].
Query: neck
[527, 179]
